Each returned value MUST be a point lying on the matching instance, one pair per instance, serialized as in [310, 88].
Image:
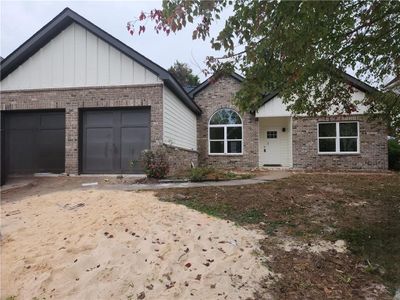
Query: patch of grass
[273, 226]
[230, 175]
[224, 210]
[220, 210]
[250, 216]
[378, 246]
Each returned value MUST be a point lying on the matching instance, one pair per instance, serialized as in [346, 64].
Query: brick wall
[180, 159]
[219, 95]
[373, 146]
[76, 98]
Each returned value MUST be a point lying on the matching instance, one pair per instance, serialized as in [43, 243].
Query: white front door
[271, 146]
[275, 142]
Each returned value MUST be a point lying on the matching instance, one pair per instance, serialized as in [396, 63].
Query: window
[225, 133]
[272, 134]
[338, 137]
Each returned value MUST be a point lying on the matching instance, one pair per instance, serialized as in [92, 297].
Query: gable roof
[66, 18]
[209, 80]
[362, 86]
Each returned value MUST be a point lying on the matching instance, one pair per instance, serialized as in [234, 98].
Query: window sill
[225, 154]
[339, 153]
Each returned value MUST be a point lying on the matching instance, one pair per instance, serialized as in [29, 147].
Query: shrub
[199, 173]
[230, 175]
[155, 163]
[394, 154]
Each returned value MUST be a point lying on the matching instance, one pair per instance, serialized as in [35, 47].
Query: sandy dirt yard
[88, 243]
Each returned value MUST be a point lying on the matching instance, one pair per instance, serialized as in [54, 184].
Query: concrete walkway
[98, 182]
[270, 176]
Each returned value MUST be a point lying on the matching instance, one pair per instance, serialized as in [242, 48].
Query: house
[74, 99]
[393, 85]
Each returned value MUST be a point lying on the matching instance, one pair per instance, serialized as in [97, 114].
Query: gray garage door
[34, 142]
[113, 138]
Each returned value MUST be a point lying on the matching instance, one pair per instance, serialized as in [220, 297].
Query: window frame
[225, 140]
[338, 138]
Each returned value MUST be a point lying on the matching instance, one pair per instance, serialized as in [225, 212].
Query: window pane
[272, 134]
[216, 133]
[225, 116]
[327, 129]
[234, 147]
[348, 145]
[234, 133]
[216, 147]
[348, 129]
[327, 145]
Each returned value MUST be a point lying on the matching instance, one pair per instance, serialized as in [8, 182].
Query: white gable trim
[276, 108]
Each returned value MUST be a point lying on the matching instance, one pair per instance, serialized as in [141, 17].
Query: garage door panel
[20, 154]
[99, 118]
[99, 149]
[35, 142]
[51, 150]
[52, 121]
[140, 117]
[133, 142]
[19, 121]
[113, 138]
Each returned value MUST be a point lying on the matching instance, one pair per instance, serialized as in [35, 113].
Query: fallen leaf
[170, 285]
[198, 277]
[188, 265]
[142, 295]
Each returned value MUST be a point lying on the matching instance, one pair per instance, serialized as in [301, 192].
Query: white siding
[179, 128]
[276, 108]
[77, 58]
[273, 108]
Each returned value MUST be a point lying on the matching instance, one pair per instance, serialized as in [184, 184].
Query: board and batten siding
[77, 58]
[179, 128]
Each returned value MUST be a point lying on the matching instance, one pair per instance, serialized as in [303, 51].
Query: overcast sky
[21, 19]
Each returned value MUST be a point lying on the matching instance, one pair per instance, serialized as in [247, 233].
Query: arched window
[225, 132]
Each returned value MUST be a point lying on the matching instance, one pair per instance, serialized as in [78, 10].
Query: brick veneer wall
[73, 99]
[180, 159]
[219, 95]
[373, 146]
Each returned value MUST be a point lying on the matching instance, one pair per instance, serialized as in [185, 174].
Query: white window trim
[225, 140]
[338, 137]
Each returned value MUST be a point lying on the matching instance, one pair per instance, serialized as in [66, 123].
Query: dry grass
[363, 210]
